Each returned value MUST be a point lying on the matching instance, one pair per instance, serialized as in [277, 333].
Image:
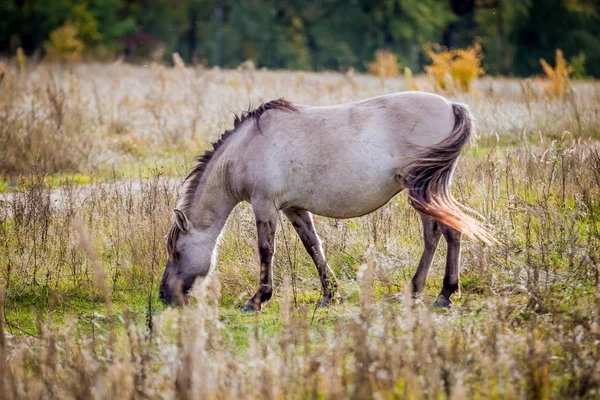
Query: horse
[340, 161]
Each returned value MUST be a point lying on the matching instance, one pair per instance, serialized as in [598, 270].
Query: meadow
[92, 157]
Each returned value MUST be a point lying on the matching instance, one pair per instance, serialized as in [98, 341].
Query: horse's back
[342, 161]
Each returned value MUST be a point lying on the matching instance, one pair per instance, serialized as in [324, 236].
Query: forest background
[305, 35]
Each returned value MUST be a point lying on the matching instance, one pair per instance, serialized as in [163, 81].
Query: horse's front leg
[304, 226]
[266, 224]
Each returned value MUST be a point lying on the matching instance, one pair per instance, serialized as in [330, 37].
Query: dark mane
[193, 178]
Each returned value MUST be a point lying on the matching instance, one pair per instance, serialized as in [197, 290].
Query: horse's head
[189, 257]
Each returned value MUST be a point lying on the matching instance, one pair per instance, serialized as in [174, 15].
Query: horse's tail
[429, 175]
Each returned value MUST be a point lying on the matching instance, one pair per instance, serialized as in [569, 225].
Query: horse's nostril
[161, 295]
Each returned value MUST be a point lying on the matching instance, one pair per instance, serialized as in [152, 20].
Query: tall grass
[93, 118]
[376, 349]
[80, 265]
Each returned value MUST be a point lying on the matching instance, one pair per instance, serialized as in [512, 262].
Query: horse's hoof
[417, 296]
[442, 302]
[249, 308]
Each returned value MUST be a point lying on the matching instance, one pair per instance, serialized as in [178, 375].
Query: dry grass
[93, 118]
[80, 265]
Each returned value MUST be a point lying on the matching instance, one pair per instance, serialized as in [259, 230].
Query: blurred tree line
[311, 34]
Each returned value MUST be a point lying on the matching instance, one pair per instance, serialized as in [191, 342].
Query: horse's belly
[343, 175]
[347, 200]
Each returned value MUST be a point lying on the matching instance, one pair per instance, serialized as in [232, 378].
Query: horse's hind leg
[452, 275]
[266, 224]
[431, 236]
[303, 223]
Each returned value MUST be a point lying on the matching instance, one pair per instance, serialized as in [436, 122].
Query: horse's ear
[182, 221]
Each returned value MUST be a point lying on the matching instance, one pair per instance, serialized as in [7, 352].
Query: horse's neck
[210, 207]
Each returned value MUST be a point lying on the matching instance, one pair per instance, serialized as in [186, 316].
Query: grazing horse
[339, 161]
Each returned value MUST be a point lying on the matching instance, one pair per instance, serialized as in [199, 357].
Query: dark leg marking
[304, 226]
[431, 236]
[266, 224]
[452, 275]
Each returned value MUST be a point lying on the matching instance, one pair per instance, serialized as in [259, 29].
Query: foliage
[497, 29]
[573, 26]
[466, 66]
[64, 44]
[384, 66]
[21, 60]
[440, 67]
[578, 64]
[461, 66]
[295, 34]
[558, 76]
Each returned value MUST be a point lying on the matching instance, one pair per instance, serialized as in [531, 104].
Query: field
[93, 156]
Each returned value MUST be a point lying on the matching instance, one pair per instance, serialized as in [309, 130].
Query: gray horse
[340, 161]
